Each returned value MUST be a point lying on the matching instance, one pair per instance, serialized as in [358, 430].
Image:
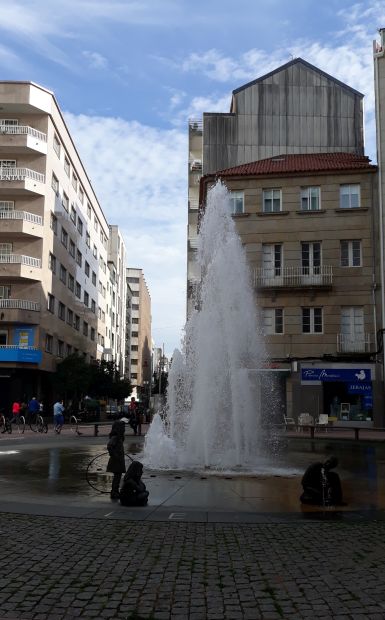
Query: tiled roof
[311, 162]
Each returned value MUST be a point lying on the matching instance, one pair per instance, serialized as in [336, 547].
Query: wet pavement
[65, 475]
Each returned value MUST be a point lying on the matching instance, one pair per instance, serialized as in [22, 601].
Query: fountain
[213, 417]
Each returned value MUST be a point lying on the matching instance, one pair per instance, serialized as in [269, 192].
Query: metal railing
[195, 124]
[19, 304]
[20, 174]
[17, 346]
[20, 259]
[347, 343]
[293, 277]
[21, 215]
[23, 129]
[195, 165]
[193, 243]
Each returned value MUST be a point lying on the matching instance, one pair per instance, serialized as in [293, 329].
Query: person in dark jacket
[133, 491]
[322, 487]
[116, 464]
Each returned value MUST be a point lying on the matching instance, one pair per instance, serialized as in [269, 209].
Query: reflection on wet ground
[53, 472]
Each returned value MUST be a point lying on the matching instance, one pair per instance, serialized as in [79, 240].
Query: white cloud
[95, 60]
[139, 175]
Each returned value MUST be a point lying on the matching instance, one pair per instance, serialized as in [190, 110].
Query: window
[79, 258]
[134, 362]
[96, 223]
[352, 329]
[311, 258]
[86, 299]
[4, 336]
[5, 291]
[88, 240]
[53, 223]
[55, 184]
[92, 336]
[85, 328]
[273, 320]
[350, 196]
[86, 269]
[80, 226]
[7, 163]
[95, 251]
[272, 257]
[52, 262]
[272, 200]
[8, 122]
[93, 306]
[51, 303]
[60, 348]
[48, 343]
[64, 237]
[74, 181]
[135, 293]
[78, 290]
[63, 274]
[72, 248]
[135, 321]
[77, 322]
[94, 278]
[6, 248]
[81, 194]
[66, 166]
[70, 317]
[73, 214]
[310, 199]
[65, 202]
[133, 280]
[71, 282]
[236, 202]
[56, 145]
[134, 334]
[134, 375]
[312, 320]
[135, 306]
[134, 347]
[7, 205]
[61, 311]
[351, 253]
[88, 210]
[68, 350]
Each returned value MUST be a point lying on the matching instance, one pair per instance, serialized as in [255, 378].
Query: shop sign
[359, 388]
[24, 336]
[347, 375]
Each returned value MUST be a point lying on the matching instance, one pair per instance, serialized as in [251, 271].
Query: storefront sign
[24, 336]
[347, 375]
[359, 388]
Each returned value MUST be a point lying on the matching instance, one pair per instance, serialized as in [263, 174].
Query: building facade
[309, 227]
[141, 354]
[295, 109]
[116, 299]
[54, 240]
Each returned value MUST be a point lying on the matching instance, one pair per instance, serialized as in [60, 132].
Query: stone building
[141, 353]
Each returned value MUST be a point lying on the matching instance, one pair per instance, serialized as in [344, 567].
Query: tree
[72, 378]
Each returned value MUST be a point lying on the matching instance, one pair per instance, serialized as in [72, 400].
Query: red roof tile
[311, 162]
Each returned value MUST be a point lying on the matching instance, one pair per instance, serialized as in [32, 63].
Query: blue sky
[129, 73]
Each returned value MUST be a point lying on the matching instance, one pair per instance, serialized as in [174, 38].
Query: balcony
[15, 353]
[17, 138]
[19, 304]
[20, 266]
[348, 343]
[19, 311]
[293, 277]
[193, 205]
[21, 223]
[21, 180]
[193, 243]
[195, 125]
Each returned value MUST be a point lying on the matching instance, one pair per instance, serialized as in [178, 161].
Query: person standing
[33, 409]
[116, 464]
[15, 412]
[58, 417]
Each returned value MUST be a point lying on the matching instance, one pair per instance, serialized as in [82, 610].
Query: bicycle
[5, 425]
[37, 423]
[19, 420]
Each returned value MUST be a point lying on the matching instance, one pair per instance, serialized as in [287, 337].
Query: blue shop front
[345, 392]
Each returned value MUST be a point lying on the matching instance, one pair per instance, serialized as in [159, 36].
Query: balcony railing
[195, 124]
[347, 343]
[20, 174]
[21, 215]
[193, 205]
[16, 353]
[195, 165]
[193, 243]
[292, 277]
[30, 261]
[23, 129]
[19, 304]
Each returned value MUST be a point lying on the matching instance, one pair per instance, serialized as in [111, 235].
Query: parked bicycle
[19, 422]
[5, 425]
[37, 424]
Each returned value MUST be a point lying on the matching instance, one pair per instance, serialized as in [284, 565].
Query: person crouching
[133, 491]
[116, 464]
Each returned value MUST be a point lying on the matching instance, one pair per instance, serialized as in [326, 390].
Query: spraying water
[213, 413]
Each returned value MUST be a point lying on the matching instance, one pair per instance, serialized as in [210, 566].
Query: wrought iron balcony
[293, 277]
[347, 343]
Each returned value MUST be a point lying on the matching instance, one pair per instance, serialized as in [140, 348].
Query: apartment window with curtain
[56, 145]
[350, 196]
[311, 258]
[310, 198]
[273, 321]
[272, 200]
[237, 202]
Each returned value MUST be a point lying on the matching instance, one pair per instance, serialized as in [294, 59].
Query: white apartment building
[116, 299]
[140, 346]
[54, 244]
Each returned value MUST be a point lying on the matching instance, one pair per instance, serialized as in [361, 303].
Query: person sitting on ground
[58, 417]
[133, 491]
[115, 448]
[322, 487]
